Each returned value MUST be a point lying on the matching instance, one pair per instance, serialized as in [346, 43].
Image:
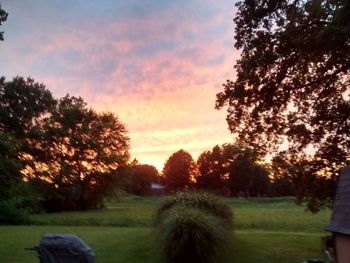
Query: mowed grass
[267, 230]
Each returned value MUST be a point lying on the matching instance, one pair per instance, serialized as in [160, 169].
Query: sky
[156, 64]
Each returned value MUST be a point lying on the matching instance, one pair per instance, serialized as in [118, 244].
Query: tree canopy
[70, 153]
[211, 170]
[292, 83]
[3, 18]
[179, 171]
[80, 152]
[233, 169]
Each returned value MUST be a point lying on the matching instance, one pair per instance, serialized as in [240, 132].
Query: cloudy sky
[157, 64]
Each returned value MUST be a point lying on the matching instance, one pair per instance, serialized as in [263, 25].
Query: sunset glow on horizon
[156, 64]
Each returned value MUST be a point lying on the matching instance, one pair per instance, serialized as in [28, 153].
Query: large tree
[246, 176]
[179, 171]
[141, 177]
[79, 155]
[292, 83]
[24, 103]
[3, 17]
[211, 170]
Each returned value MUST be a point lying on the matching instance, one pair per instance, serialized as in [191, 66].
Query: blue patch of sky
[59, 11]
[107, 66]
[151, 50]
[72, 56]
[216, 60]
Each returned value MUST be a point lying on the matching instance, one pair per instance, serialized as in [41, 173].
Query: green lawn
[267, 230]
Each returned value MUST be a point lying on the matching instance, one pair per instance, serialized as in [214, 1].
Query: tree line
[236, 170]
[63, 155]
[291, 87]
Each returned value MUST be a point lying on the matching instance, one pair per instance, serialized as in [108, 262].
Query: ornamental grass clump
[194, 228]
[205, 202]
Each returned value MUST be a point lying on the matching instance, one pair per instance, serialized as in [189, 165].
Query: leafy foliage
[80, 154]
[3, 18]
[234, 168]
[9, 164]
[69, 153]
[12, 211]
[211, 170]
[245, 175]
[24, 103]
[179, 171]
[18, 204]
[293, 80]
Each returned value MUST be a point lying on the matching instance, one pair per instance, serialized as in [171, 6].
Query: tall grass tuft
[194, 227]
[205, 202]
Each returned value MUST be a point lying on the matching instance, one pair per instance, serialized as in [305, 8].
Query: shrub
[194, 227]
[205, 202]
[12, 211]
[15, 208]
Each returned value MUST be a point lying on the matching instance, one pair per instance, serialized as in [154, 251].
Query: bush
[194, 227]
[15, 208]
[12, 211]
[205, 202]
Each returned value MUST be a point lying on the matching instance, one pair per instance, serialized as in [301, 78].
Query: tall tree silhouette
[24, 104]
[293, 80]
[179, 171]
[212, 170]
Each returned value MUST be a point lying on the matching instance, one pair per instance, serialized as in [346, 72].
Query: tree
[3, 18]
[24, 104]
[212, 171]
[284, 176]
[246, 176]
[9, 165]
[292, 81]
[141, 178]
[179, 171]
[78, 158]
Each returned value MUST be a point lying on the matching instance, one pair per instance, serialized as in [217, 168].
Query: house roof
[157, 186]
[340, 222]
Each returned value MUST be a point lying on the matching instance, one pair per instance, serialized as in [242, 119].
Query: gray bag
[64, 248]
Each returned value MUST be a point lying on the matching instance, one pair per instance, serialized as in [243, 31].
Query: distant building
[157, 189]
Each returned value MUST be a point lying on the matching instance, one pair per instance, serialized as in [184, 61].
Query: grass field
[267, 230]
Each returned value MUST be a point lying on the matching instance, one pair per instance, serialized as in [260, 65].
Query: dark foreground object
[64, 248]
[340, 222]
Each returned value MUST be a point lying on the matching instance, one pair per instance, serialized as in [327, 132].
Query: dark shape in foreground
[340, 223]
[67, 248]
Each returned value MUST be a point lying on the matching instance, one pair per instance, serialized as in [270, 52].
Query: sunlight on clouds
[158, 66]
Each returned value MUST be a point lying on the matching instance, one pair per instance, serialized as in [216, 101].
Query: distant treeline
[60, 154]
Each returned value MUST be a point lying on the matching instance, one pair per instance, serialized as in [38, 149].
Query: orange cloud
[159, 73]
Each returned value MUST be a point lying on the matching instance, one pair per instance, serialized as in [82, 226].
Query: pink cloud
[159, 74]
